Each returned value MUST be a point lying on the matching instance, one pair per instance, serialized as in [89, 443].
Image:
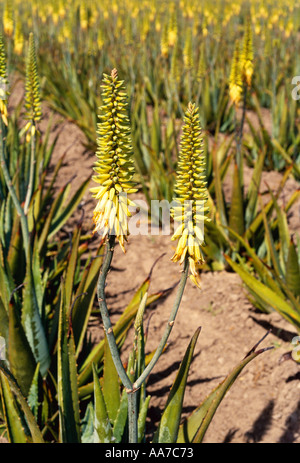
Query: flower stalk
[3, 83]
[33, 113]
[4, 162]
[190, 210]
[115, 166]
[239, 84]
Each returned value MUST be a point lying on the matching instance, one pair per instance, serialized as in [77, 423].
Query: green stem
[132, 389]
[31, 172]
[131, 396]
[105, 315]
[168, 328]
[132, 417]
[239, 138]
[13, 194]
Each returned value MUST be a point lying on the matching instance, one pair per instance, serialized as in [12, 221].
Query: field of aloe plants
[149, 221]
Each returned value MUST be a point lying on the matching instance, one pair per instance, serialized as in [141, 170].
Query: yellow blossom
[190, 210]
[235, 81]
[114, 167]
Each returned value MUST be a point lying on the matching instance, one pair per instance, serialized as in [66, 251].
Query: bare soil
[263, 406]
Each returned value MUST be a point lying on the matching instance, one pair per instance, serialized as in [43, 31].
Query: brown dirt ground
[264, 403]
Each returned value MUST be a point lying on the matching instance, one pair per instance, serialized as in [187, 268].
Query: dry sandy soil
[263, 406]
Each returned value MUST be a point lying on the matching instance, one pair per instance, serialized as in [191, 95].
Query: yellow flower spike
[201, 64]
[33, 111]
[172, 29]
[164, 43]
[247, 54]
[235, 80]
[189, 205]
[8, 21]
[188, 59]
[3, 83]
[114, 167]
[18, 39]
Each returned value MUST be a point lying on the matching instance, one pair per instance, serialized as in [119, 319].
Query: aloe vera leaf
[207, 99]
[286, 156]
[271, 246]
[139, 346]
[4, 321]
[193, 429]
[102, 426]
[15, 431]
[71, 267]
[256, 225]
[33, 395]
[48, 193]
[83, 305]
[121, 418]
[284, 235]
[15, 257]
[68, 209]
[292, 299]
[61, 204]
[142, 418]
[252, 195]
[110, 385]
[259, 266]
[87, 425]
[39, 285]
[269, 207]
[47, 224]
[298, 247]
[67, 388]
[155, 131]
[167, 431]
[46, 148]
[32, 424]
[20, 356]
[31, 320]
[121, 326]
[292, 200]
[266, 136]
[267, 295]
[218, 190]
[236, 214]
[120, 329]
[292, 276]
[7, 284]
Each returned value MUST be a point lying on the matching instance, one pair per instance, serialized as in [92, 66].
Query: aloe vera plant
[275, 284]
[55, 386]
[190, 186]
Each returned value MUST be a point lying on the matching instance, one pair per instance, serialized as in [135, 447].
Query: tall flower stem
[130, 388]
[239, 135]
[168, 328]
[131, 396]
[31, 172]
[132, 417]
[105, 314]
[10, 187]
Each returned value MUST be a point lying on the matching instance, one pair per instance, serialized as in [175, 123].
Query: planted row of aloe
[61, 388]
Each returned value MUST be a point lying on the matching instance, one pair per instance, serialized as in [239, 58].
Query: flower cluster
[3, 83]
[235, 80]
[114, 167]
[190, 208]
[247, 55]
[33, 112]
